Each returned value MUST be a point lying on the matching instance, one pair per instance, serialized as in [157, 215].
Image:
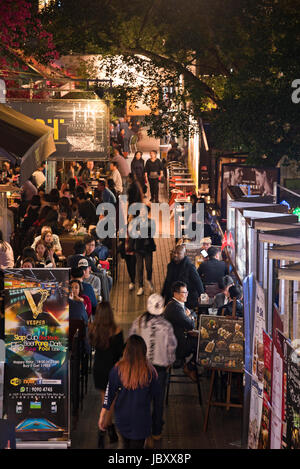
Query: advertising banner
[264, 437]
[257, 382]
[293, 399]
[225, 160]
[36, 342]
[81, 126]
[276, 430]
[252, 181]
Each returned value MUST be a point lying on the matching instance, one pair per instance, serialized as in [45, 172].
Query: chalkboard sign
[221, 342]
[81, 126]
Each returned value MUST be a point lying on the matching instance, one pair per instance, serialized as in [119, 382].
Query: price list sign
[36, 347]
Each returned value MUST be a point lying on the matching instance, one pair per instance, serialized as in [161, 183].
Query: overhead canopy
[24, 141]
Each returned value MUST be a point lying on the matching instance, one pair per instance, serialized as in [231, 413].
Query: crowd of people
[131, 374]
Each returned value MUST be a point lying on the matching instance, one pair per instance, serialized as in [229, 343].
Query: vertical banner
[248, 295]
[277, 393]
[264, 436]
[36, 342]
[293, 399]
[257, 383]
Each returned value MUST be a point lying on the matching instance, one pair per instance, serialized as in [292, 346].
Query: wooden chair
[175, 377]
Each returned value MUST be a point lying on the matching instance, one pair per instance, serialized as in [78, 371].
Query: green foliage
[229, 62]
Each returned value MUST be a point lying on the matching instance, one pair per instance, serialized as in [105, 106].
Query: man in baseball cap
[161, 343]
[90, 278]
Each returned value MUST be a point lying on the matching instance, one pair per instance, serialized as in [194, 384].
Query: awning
[24, 141]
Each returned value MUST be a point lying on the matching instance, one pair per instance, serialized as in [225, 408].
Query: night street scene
[150, 227]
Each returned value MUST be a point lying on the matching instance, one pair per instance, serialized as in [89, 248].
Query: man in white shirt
[116, 177]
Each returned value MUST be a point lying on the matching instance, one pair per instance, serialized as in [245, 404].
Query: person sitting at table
[77, 312]
[235, 296]
[28, 263]
[112, 187]
[87, 172]
[78, 295]
[54, 238]
[27, 251]
[116, 177]
[213, 270]
[88, 277]
[90, 246]
[222, 298]
[6, 254]
[183, 323]
[104, 194]
[86, 210]
[47, 237]
[45, 256]
[79, 253]
[78, 274]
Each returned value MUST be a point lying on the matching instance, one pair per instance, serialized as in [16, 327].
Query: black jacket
[175, 314]
[212, 271]
[186, 272]
[228, 309]
[138, 168]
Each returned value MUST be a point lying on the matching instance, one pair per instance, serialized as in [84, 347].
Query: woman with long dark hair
[107, 339]
[132, 386]
[138, 169]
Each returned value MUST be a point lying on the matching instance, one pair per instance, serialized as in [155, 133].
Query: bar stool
[181, 378]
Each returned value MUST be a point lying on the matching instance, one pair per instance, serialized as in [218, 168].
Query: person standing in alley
[153, 172]
[161, 343]
[132, 386]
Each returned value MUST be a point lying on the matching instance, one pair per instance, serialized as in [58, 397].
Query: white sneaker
[131, 286]
[140, 291]
[151, 286]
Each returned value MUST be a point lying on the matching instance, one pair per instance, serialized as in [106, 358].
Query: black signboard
[221, 342]
[81, 127]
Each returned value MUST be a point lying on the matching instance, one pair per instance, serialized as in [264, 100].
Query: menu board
[36, 342]
[221, 342]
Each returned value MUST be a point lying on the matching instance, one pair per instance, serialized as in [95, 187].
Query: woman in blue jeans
[132, 386]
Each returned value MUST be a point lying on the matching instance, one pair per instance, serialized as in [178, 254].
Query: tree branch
[168, 63]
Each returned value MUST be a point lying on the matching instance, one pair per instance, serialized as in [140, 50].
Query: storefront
[80, 130]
